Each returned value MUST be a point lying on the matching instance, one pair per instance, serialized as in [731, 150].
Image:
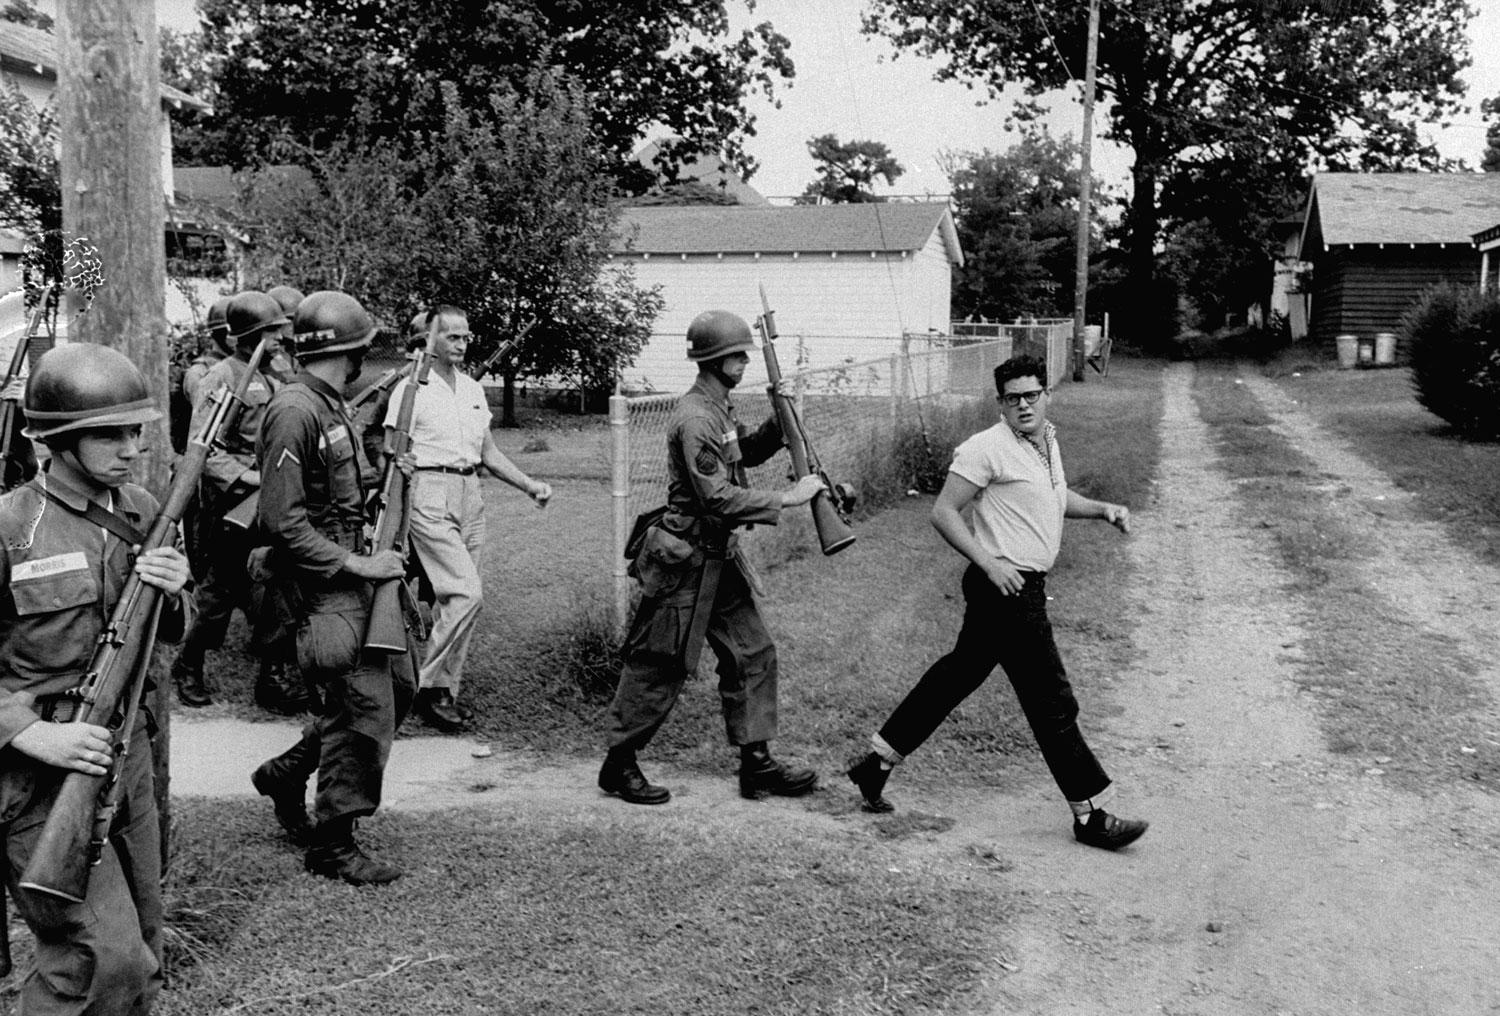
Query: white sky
[848, 84]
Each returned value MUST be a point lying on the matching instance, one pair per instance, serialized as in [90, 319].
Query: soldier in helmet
[67, 546]
[695, 584]
[312, 514]
[288, 297]
[217, 349]
[229, 477]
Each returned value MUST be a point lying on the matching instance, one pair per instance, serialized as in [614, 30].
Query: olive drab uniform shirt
[312, 487]
[707, 453]
[60, 578]
[234, 453]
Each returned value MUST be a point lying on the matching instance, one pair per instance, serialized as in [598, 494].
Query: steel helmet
[716, 333]
[287, 296]
[82, 385]
[329, 322]
[218, 322]
[253, 312]
[417, 329]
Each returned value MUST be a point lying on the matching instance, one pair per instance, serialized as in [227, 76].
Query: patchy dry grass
[535, 912]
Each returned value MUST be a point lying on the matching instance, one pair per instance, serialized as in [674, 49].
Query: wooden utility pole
[1085, 189]
[110, 115]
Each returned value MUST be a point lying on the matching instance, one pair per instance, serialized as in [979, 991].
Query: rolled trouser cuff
[1099, 800]
[882, 748]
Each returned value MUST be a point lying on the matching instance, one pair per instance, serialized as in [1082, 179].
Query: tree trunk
[109, 107]
[1148, 312]
[508, 401]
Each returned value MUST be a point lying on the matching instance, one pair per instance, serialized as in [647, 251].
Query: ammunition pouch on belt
[275, 599]
[665, 560]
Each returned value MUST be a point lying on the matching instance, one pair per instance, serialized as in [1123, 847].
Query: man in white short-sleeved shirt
[451, 443]
[1012, 474]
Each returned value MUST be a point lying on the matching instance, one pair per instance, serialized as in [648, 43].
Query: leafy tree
[1342, 83]
[1491, 163]
[30, 181]
[847, 171]
[1016, 213]
[506, 213]
[301, 69]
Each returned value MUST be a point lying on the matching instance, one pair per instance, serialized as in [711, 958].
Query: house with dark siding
[1377, 241]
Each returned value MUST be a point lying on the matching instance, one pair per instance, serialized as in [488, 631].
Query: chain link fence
[854, 414]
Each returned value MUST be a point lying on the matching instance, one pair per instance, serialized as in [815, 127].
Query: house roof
[1402, 208]
[739, 229]
[34, 51]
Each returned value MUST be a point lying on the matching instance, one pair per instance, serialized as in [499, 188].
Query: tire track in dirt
[1273, 881]
[1416, 566]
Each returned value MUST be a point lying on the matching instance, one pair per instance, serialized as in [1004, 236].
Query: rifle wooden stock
[834, 533]
[386, 630]
[13, 467]
[501, 351]
[78, 824]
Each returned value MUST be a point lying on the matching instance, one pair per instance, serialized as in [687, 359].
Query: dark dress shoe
[870, 776]
[436, 707]
[1106, 831]
[626, 781]
[760, 774]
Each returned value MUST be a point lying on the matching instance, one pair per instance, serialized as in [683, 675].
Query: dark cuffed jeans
[1011, 632]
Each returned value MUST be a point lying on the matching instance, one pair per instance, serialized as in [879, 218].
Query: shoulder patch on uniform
[707, 462]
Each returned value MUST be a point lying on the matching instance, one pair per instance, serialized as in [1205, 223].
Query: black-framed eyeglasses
[1013, 399]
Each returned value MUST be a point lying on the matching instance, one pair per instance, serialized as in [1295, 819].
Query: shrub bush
[1453, 333]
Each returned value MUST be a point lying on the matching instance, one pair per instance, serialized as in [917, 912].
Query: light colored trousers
[447, 533]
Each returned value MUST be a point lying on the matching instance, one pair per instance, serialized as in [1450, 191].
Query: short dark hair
[1020, 366]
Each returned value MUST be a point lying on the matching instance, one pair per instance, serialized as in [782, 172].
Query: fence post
[895, 390]
[619, 474]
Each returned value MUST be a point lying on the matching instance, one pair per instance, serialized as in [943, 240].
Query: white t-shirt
[1018, 512]
[448, 424]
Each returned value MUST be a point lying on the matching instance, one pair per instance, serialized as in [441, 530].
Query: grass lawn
[541, 912]
[1359, 662]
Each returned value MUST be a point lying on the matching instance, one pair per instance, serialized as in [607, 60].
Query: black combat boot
[335, 855]
[187, 674]
[278, 690]
[622, 777]
[284, 780]
[760, 774]
[869, 776]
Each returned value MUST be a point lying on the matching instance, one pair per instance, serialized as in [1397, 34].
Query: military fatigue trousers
[652, 675]
[101, 957]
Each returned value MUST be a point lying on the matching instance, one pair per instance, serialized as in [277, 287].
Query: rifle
[830, 508]
[386, 631]
[501, 350]
[79, 822]
[19, 462]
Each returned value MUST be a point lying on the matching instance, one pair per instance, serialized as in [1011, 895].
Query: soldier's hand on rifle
[407, 463]
[14, 390]
[83, 747]
[250, 478]
[803, 491]
[539, 491]
[165, 568]
[384, 564]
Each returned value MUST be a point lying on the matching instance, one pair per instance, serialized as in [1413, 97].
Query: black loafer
[869, 776]
[1108, 832]
[438, 711]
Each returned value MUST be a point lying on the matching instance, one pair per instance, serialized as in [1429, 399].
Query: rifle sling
[703, 609]
[97, 514]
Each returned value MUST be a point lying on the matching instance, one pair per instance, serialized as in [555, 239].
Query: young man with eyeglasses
[1013, 475]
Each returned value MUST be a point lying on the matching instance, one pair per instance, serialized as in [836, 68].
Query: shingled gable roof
[730, 229]
[34, 51]
[1401, 208]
